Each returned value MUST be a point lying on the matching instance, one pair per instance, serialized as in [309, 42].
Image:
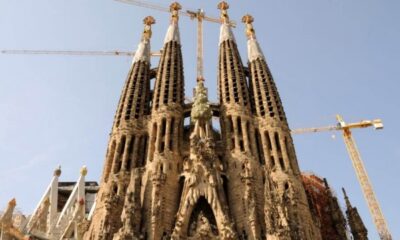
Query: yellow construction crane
[199, 15]
[359, 167]
[76, 53]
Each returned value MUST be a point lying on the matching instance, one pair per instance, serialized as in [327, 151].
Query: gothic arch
[201, 209]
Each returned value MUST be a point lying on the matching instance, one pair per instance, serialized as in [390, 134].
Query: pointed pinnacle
[175, 6]
[83, 170]
[346, 198]
[224, 6]
[57, 172]
[248, 20]
[12, 202]
[326, 183]
[148, 21]
[174, 9]
[344, 193]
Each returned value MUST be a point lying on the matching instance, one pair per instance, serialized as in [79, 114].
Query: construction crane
[199, 15]
[76, 53]
[361, 172]
[187, 13]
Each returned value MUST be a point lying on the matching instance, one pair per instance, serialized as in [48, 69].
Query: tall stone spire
[357, 227]
[169, 84]
[161, 178]
[275, 146]
[231, 76]
[266, 100]
[127, 145]
[134, 100]
[238, 129]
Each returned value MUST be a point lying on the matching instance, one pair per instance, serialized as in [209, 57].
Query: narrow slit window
[277, 142]
[130, 155]
[282, 163]
[259, 147]
[268, 139]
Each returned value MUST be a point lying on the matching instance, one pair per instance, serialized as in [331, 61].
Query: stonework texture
[167, 178]
[164, 178]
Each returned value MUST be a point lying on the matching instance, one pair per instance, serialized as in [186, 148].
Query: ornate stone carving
[202, 173]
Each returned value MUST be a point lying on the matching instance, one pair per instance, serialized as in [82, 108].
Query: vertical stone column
[237, 123]
[279, 154]
[162, 176]
[129, 124]
[53, 197]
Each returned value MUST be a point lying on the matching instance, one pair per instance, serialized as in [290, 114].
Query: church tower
[161, 177]
[126, 148]
[244, 170]
[289, 217]
[167, 179]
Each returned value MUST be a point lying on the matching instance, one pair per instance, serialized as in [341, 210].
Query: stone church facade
[164, 179]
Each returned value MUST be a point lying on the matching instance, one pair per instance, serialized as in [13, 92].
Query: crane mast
[365, 183]
[199, 15]
[361, 172]
[200, 57]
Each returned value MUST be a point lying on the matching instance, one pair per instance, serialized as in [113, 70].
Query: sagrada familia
[164, 179]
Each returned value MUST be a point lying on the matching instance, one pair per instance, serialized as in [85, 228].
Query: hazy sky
[327, 57]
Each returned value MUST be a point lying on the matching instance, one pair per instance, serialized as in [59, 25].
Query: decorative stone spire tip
[174, 9]
[148, 21]
[143, 49]
[57, 172]
[12, 202]
[173, 29]
[248, 20]
[224, 6]
[225, 32]
[83, 170]
[253, 48]
[346, 198]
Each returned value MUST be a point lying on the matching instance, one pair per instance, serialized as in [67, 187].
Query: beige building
[166, 180]
[163, 179]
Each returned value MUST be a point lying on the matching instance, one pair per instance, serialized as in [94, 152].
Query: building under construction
[167, 178]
